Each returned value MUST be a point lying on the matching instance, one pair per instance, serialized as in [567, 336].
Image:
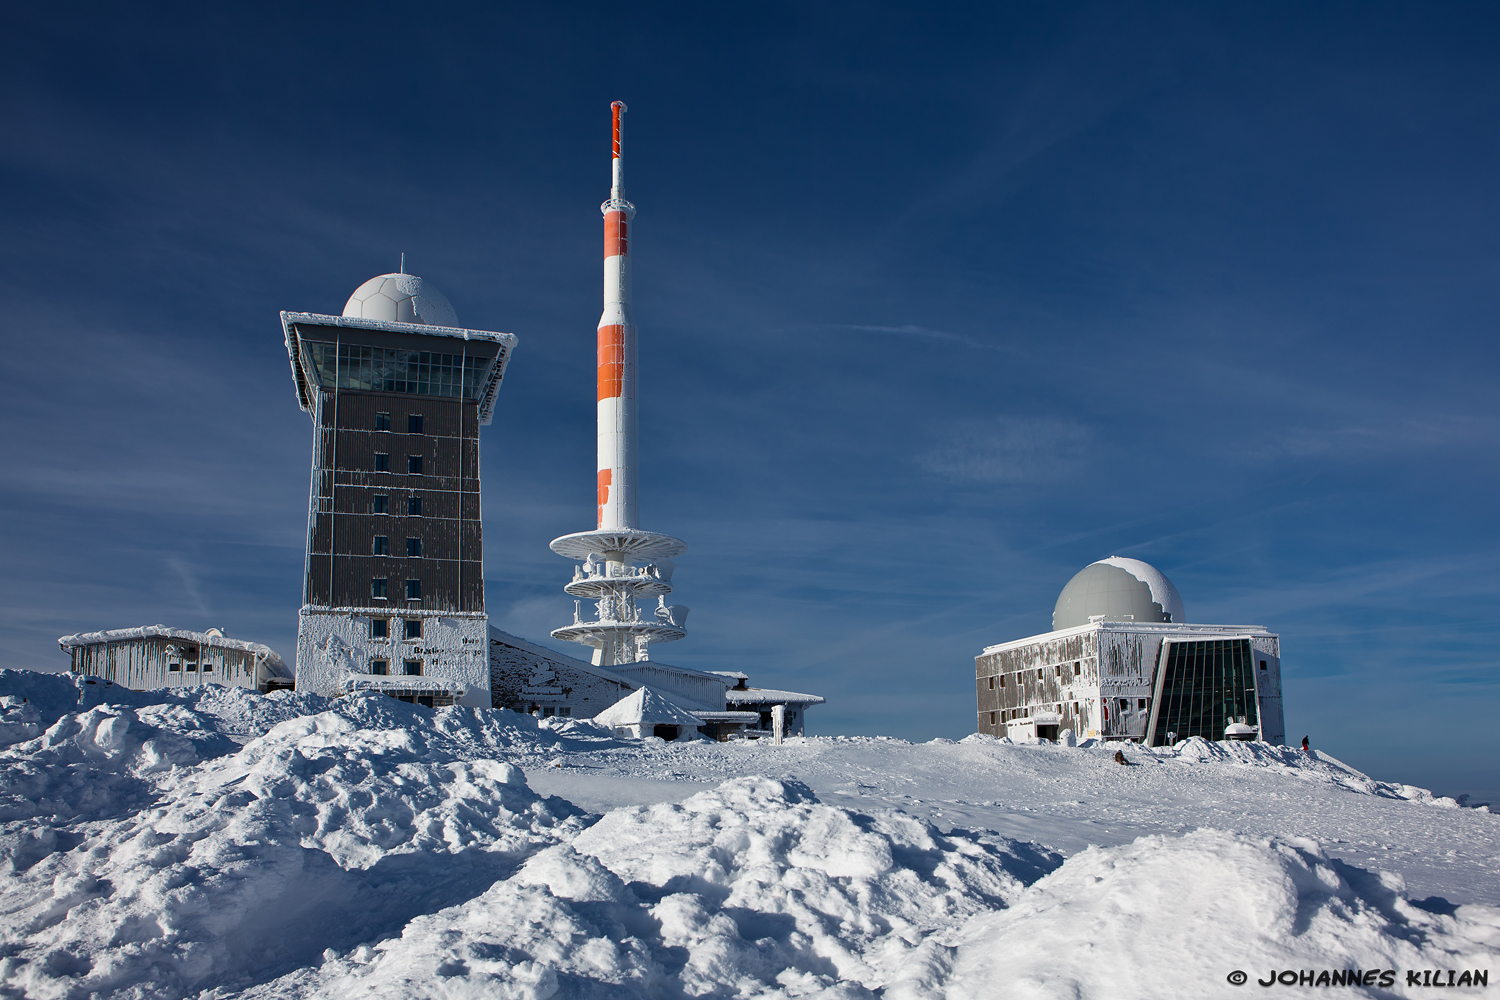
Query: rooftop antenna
[403, 263]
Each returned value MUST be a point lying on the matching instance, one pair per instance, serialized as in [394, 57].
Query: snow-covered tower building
[393, 594]
[621, 563]
[1122, 662]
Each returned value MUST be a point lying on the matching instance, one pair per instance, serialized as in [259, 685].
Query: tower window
[414, 506]
[413, 628]
[174, 665]
[413, 668]
[1140, 703]
[1077, 668]
[382, 462]
[382, 421]
[413, 590]
[1262, 664]
[381, 546]
[992, 683]
[1002, 680]
[413, 547]
[380, 628]
[414, 423]
[377, 588]
[379, 666]
[380, 505]
[992, 717]
[1038, 673]
[414, 464]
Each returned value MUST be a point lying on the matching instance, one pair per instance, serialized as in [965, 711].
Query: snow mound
[1175, 916]
[753, 888]
[329, 830]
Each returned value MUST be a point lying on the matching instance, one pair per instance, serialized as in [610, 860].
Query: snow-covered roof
[1170, 630]
[731, 673]
[646, 708]
[272, 659]
[496, 635]
[770, 696]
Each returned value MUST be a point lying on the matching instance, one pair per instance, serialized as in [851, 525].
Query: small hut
[645, 713]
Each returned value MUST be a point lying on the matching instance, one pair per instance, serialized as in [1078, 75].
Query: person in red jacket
[1305, 747]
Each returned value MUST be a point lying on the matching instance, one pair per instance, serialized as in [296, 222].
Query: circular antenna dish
[401, 298]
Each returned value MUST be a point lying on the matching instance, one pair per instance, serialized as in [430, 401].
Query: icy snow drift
[220, 843]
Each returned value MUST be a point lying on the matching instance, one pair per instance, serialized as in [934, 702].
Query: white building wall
[335, 644]
[1267, 650]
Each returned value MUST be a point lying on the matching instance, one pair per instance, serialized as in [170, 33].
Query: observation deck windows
[381, 369]
[1205, 686]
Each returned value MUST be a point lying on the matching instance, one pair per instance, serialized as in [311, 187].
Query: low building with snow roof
[1123, 663]
[152, 657]
[647, 713]
[763, 701]
[530, 678]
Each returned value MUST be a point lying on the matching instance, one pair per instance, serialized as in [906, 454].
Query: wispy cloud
[908, 330]
[1011, 450]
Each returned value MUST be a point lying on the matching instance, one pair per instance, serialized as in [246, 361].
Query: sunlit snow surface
[221, 843]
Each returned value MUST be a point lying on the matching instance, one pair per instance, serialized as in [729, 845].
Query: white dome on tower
[401, 298]
[1118, 588]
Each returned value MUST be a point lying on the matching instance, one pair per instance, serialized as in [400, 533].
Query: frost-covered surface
[221, 843]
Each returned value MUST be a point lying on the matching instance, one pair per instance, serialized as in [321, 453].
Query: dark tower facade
[393, 596]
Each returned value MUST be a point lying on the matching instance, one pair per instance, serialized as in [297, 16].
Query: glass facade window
[377, 588]
[1205, 687]
[382, 462]
[413, 668]
[413, 590]
[380, 505]
[414, 423]
[379, 628]
[414, 464]
[379, 666]
[414, 506]
[413, 628]
[382, 421]
[381, 369]
[380, 546]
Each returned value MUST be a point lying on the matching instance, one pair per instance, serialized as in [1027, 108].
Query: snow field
[218, 843]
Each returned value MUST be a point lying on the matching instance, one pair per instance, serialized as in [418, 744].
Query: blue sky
[937, 306]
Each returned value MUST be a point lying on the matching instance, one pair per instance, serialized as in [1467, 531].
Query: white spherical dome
[401, 298]
[1117, 587]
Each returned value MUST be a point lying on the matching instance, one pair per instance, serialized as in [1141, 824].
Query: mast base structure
[619, 633]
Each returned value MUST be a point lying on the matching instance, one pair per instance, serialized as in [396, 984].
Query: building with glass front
[393, 594]
[1122, 663]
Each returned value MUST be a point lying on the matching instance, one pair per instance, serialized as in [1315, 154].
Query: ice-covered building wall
[153, 657]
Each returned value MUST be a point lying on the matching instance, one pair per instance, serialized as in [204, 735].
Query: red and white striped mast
[619, 633]
[617, 355]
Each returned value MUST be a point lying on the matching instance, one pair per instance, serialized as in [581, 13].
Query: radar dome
[1118, 588]
[401, 298]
